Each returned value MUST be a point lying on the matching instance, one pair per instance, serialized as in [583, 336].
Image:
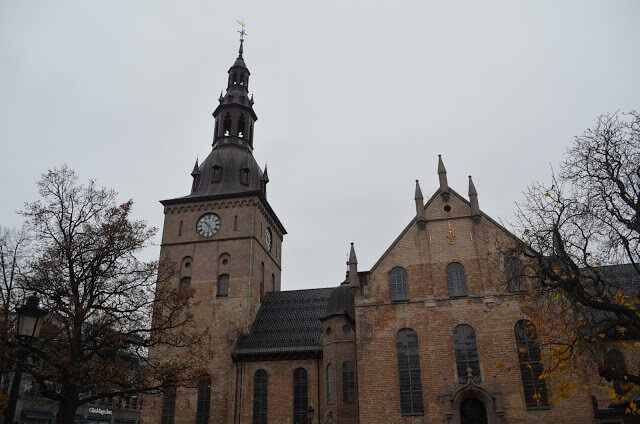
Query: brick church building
[432, 333]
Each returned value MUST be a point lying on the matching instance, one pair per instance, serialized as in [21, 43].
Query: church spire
[353, 268]
[420, 215]
[473, 202]
[442, 176]
[234, 115]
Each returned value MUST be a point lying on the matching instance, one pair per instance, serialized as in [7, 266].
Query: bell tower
[225, 241]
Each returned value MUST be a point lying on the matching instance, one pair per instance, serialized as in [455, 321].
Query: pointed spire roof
[352, 255]
[196, 169]
[418, 194]
[265, 174]
[441, 168]
[472, 188]
[442, 176]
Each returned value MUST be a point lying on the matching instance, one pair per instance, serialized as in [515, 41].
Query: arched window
[204, 401]
[168, 404]
[261, 280]
[535, 390]
[185, 284]
[244, 176]
[348, 383]
[615, 361]
[300, 397]
[235, 78]
[399, 284]
[466, 350]
[330, 384]
[223, 285]
[226, 125]
[409, 372]
[260, 386]
[241, 126]
[514, 271]
[456, 280]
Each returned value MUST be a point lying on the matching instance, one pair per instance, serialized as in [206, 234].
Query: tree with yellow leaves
[582, 257]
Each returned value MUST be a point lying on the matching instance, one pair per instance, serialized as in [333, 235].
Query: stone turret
[442, 176]
[473, 200]
[421, 217]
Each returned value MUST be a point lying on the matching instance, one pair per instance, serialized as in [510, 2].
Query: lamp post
[29, 323]
[310, 413]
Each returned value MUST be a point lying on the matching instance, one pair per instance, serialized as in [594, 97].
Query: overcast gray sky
[355, 101]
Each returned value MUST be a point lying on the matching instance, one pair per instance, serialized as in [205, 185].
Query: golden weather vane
[242, 32]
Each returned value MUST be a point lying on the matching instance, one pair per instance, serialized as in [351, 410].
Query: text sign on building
[100, 411]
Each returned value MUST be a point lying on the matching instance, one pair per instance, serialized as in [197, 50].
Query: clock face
[267, 238]
[208, 225]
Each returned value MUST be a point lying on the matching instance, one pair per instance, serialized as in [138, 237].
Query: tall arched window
[260, 388]
[185, 284]
[204, 401]
[330, 384]
[261, 280]
[514, 271]
[168, 404]
[399, 284]
[223, 285]
[241, 126]
[348, 383]
[535, 390]
[456, 280]
[300, 397]
[409, 372]
[226, 124]
[615, 361]
[466, 350]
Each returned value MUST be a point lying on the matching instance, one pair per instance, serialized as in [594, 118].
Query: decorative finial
[242, 33]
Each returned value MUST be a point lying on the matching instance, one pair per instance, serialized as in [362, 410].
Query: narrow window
[330, 384]
[185, 285]
[348, 385]
[273, 282]
[204, 401]
[235, 223]
[223, 285]
[300, 397]
[456, 280]
[261, 280]
[244, 176]
[514, 271]
[235, 78]
[168, 404]
[241, 126]
[466, 350]
[615, 362]
[399, 284]
[535, 390]
[180, 229]
[226, 125]
[216, 174]
[260, 385]
[409, 372]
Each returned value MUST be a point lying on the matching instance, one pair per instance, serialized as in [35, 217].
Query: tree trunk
[66, 411]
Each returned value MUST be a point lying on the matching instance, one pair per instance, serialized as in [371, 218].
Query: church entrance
[472, 411]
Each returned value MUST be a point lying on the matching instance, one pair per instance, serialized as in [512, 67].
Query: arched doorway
[472, 411]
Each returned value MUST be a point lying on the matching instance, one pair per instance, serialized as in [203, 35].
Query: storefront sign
[100, 411]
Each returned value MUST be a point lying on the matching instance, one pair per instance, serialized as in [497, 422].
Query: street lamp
[310, 413]
[29, 323]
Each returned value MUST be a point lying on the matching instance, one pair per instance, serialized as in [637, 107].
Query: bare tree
[582, 232]
[101, 299]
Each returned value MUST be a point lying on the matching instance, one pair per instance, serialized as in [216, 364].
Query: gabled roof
[288, 322]
[413, 221]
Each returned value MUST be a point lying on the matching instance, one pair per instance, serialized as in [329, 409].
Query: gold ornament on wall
[451, 238]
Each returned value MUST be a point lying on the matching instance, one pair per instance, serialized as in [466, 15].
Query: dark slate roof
[341, 302]
[623, 277]
[287, 322]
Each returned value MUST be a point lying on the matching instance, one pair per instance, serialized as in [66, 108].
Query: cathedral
[432, 333]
